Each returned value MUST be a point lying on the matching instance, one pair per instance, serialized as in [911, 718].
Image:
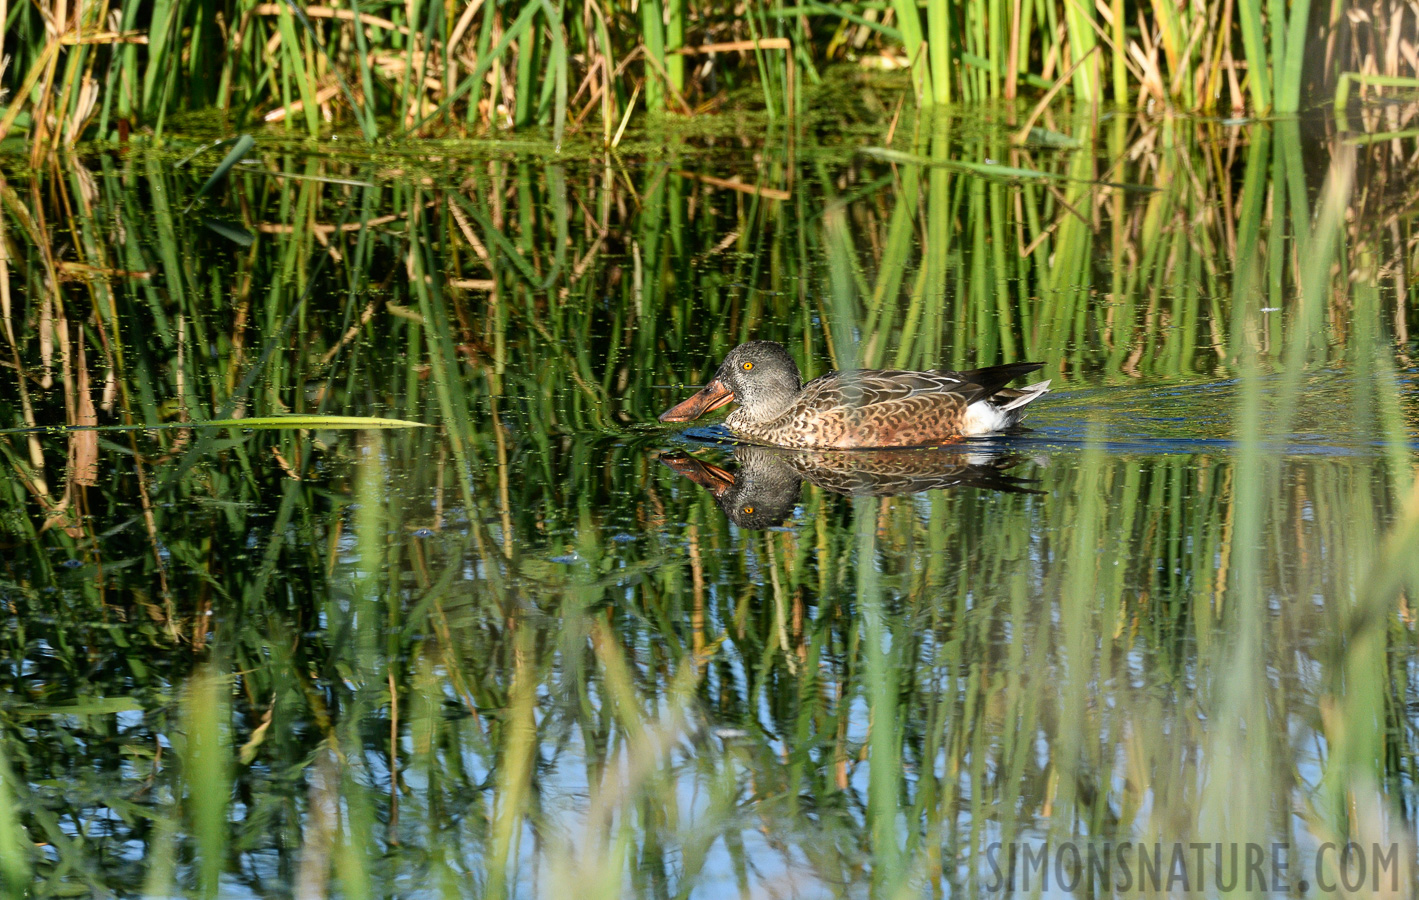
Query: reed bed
[92, 71]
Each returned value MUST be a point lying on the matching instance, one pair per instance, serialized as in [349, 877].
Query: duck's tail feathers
[1023, 397]
[992, 379]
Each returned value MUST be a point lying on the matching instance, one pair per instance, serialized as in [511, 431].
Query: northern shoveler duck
[764, 488]
[861, 409]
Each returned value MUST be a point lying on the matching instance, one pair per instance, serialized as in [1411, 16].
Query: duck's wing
[850, 410]
[888, 407]
[870, 387]
[867, 387]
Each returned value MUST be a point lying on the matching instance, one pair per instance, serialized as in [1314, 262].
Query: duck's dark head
[759, 494]
[759, 375]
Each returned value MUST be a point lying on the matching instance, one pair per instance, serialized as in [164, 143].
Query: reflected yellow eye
[748, 510]
[748, 366]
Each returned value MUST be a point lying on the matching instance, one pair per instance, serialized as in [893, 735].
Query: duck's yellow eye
[748, 510]
[748, 366]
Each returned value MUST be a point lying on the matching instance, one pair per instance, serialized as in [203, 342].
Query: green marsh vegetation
[514, 654]
[377, 69]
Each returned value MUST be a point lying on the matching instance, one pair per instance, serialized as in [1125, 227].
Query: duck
[858, 409]
[764, 487]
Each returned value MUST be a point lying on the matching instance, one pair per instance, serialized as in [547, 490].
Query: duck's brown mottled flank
[861, 409]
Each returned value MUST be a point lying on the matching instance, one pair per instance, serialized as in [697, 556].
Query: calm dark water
[549, 647]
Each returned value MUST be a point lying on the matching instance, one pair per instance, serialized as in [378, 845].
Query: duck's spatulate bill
[711, 397]
[706, 475]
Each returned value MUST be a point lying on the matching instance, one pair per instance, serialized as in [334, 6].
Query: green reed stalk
[766, 81]
[925, 352]
[159, 36]
[884, 754]
[653, 39]
[523, 90]
[366, 112]
[909, 21]
[1173, 23]
[1250, 220]
[559, 82]
[938, 24]
[1077, 600]
[1118, 54]
[1079, 23]
[1253, 46]
[206, 760]
[1287, 69]
[292, 50]
[515, 773]
[999, 201]
[674, 40]
[899, 245]
[485, 39]
[998, 45]
[1317, 253]
[14, 858]
[1363, 683]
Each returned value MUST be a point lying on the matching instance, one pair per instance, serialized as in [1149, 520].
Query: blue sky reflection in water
[524, 652]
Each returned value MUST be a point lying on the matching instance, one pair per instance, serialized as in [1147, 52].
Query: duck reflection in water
[763, 489]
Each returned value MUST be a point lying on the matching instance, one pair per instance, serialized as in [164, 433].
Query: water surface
[524, 652]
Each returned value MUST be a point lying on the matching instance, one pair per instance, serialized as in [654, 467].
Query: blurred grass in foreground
[515, 655]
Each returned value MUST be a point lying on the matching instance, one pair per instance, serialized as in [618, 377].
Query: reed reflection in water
[519, 654]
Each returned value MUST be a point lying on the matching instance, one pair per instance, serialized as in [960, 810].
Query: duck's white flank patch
[984, 417]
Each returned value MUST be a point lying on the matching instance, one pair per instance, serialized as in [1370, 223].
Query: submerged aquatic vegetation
[515, 652]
